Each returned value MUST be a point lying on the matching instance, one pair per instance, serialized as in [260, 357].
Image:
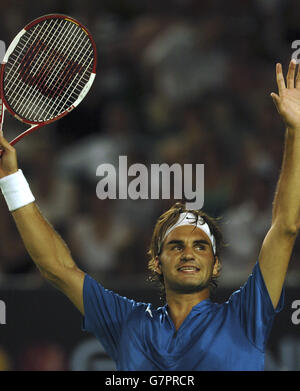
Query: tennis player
[190, 332]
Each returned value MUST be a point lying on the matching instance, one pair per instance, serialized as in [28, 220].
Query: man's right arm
[45, 246]
[50, 253]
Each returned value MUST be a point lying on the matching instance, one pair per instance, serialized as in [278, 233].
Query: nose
[187, 256]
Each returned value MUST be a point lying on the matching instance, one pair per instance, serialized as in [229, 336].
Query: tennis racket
[46, 72]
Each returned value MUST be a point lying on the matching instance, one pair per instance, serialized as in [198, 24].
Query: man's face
[187, 260]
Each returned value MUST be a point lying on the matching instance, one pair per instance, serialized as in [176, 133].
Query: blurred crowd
[179, 81]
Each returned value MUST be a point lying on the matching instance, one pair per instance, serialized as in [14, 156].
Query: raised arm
[278, 245]
[44, 245]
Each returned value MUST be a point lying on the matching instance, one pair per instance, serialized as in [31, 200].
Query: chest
[203, 341]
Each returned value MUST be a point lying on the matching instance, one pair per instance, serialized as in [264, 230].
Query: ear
[216, 267]
[158, 265]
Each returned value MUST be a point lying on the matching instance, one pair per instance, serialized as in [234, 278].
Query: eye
[200, 246]
[177, 247]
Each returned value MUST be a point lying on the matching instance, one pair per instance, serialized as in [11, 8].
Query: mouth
[188, 269]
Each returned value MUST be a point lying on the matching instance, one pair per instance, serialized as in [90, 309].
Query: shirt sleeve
[105, 314]
[254, 308]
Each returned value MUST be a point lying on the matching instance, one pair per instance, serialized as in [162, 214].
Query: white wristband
[16, 190]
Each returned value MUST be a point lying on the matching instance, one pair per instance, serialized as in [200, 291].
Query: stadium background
[181, 81]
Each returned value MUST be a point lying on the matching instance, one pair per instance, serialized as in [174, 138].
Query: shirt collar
[198, 307]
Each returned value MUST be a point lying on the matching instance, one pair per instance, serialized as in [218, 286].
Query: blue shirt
[214, 337]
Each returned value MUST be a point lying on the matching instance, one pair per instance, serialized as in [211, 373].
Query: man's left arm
[278, 244]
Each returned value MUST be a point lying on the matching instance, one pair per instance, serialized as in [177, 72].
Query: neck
[181, 304]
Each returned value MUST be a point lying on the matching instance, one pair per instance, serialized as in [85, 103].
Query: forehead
[186, 233]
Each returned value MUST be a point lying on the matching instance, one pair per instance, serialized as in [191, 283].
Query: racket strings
[18, 87]
[77, 84]
[48, 69]
[15, 55]
[63, 78]
[25, 44]
[69, 82]
[13, 81]
[36, 76]
[38, 83]
[49, 65]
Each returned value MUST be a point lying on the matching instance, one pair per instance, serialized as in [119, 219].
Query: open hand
[287, 101]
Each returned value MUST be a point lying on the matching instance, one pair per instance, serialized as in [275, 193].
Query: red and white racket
[47, 70]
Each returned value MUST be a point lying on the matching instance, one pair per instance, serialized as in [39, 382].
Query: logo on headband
[184, 219]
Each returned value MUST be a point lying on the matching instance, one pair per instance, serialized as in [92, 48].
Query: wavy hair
[168, 219]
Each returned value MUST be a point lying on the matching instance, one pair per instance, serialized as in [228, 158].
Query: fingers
[276, 99]
[280, 78]
[5, 146]
[298, 78]
[290, 78]
[8, 158]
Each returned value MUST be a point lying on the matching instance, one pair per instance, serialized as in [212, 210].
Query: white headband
[188, 218]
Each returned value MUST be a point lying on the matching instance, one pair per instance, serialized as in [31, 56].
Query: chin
[188, 288]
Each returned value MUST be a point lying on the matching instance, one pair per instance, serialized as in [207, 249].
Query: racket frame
[3, 102]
